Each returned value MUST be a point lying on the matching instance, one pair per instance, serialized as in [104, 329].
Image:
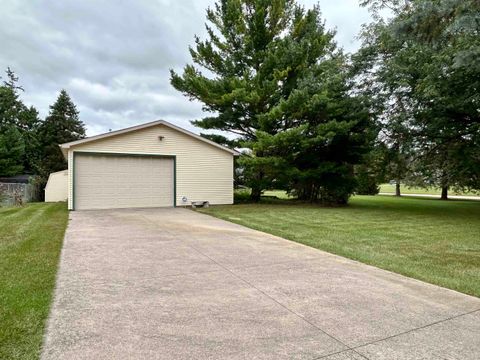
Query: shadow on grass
[454, 208]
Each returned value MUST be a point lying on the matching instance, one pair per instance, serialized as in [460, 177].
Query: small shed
[57, 187]
[156, 164]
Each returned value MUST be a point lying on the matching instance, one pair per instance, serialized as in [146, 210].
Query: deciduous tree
[427, 56]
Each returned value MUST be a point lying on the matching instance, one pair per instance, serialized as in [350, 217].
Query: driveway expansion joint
[417, 328]
[396, 335]
[279, 303]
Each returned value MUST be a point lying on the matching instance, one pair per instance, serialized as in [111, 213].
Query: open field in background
[387, 188]
[427, 239]
[30, 243]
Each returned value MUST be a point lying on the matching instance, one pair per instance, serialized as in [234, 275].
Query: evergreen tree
[280, 84]
[371, 172]
[221, 140]
[29, 126]
[60, 126]
[12, 151]
[13, 113]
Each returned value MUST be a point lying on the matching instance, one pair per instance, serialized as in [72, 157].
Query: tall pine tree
[270, 73]
[12, 151]
[60, 126]
[14, 114]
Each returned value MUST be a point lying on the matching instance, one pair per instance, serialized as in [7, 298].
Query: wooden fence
[17, 193]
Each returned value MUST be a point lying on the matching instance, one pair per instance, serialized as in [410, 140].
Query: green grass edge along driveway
[431, 240]
[30, 243]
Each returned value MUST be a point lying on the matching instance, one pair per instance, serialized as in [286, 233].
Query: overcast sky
[113, 57]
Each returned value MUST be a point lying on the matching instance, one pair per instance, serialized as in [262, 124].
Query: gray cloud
[113, 57]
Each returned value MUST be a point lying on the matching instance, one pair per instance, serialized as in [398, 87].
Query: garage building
[156, 164]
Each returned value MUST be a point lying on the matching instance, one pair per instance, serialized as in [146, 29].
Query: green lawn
[30, 242]
[281, 194]
[387, 188]
[428, 239]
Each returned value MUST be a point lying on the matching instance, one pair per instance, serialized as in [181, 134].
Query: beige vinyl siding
[203, 171]
[57, 186]
[106, 182]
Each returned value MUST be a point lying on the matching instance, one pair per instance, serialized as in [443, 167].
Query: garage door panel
[103, 182]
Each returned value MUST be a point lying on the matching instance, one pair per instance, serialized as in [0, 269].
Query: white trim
[68, 145]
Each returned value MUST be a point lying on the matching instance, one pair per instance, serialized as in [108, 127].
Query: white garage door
[110, 182]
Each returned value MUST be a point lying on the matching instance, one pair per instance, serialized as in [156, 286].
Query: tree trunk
[255, 194]
[444, 193]
[397, 188]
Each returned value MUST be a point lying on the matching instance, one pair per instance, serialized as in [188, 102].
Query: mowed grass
[281, 194]
[30, 243]
[431, 240]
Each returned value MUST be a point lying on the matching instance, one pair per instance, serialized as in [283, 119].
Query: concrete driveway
[176, 284]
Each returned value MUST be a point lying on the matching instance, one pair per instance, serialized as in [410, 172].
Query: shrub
[366, 182]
